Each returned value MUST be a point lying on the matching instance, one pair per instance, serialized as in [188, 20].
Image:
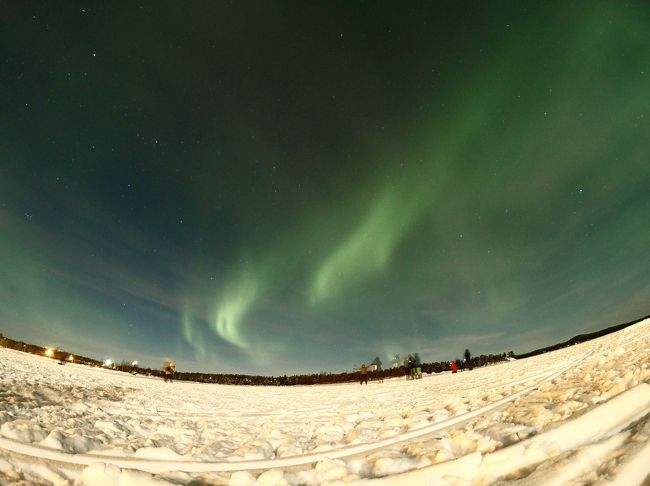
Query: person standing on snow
[363, 374]
[169, 371]
[468, 359]
[408, 364]
[454, 366]
[380, 372]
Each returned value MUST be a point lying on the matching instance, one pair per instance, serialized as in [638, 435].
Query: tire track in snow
[162, 466]
[161, 412]
[607, 421]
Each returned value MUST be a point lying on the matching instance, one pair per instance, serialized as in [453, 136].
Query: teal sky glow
[284, 187]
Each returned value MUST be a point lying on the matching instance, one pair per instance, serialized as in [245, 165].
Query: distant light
[49, 352]
[135, 363]
[108, 362]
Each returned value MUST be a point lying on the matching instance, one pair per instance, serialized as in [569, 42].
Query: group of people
[466, 363]
[412, 363]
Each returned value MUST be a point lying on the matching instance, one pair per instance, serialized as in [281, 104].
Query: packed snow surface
[579, 415]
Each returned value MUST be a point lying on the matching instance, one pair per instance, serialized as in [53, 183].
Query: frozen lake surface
[579, 415]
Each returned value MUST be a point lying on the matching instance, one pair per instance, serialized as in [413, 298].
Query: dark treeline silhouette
[63, 357]
[306, 379]
[237, 379]
[310, 379]
[327, 378]
[580, 338]
[58, 354]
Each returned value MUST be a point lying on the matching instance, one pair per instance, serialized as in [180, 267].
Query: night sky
[283, 187]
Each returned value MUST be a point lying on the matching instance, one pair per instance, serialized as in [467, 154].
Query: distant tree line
[57, 354]
[580, 338]
[328, 378]
[305, 379]
[238, 379]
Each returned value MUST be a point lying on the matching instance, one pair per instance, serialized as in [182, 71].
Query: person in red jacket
[454, 366]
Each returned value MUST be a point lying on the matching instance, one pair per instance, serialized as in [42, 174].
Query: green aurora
[279, 188]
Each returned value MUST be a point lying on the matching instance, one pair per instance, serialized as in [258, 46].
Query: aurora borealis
[283, 187]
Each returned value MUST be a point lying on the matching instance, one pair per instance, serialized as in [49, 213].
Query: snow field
[72, 424]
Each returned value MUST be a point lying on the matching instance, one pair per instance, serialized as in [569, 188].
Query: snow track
[158, 466]
[603, 422]
[59, 424]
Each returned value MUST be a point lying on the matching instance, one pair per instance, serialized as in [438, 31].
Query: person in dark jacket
[409, 364]
[468, 359]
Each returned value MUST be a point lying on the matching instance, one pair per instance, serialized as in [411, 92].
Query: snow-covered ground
[580, 415]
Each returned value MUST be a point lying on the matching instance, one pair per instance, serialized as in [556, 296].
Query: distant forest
[580, 338]
[309, 379]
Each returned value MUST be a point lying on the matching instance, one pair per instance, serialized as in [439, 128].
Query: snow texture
[579, 415]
